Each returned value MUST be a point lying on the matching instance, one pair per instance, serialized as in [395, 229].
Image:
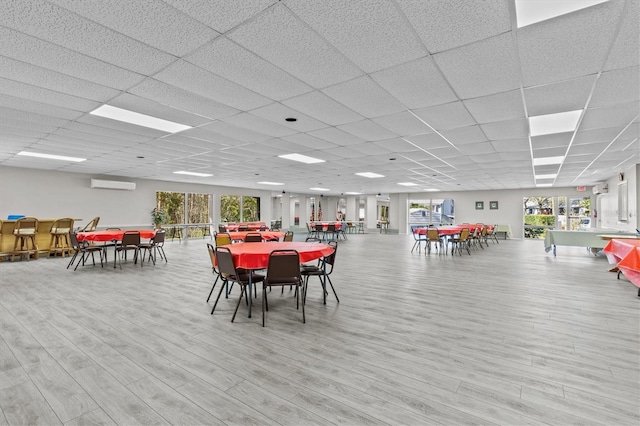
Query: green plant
[158, 216]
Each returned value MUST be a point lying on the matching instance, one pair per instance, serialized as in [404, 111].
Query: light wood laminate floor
[509, 335]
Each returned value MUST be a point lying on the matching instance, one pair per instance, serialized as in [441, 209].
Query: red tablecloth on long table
[626, 254]
[113, 235]
[266, 235]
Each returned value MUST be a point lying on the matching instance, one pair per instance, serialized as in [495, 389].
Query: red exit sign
[581, 188]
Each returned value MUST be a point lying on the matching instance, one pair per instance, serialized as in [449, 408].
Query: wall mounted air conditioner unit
[601, 188]
[113, 184]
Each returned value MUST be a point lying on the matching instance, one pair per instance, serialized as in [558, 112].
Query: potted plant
[158, 216]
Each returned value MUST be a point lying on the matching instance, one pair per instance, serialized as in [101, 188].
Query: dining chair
[59, 236]
[319, 231]
[83, 250]
[460, 241]
[320, 270]
[288, 236]
[253, 237]
[229, 273]
[222, 239]
[25, 230]
[130, 242]
[91, 225]
[216, 272]
[433, 236]
[491, 234]
[283, 269]
[154, 246]
[418, 238]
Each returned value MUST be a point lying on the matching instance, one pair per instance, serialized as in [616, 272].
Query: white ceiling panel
[25, 105]
[8, 113]
[447, 116]
[365, 97]
[283, 40]
[498, 107]
[259, 125]
[53, 24]
[390, 41]
[403, 124]
[278, 113]
[616, 87]
[568, 95]
[325, 109]
[428, 141]
[555, 140]
[556, 49]
[237, 64]
[337, 136]
[479, 148]
[422, 84]
[624, 51]
[597, 135]
[465, 135]
[46, 96]
[443, 24]
[509, 129]
[312, 142]
[367, 130]
[610, 116]
[149, 106]
[494, 75]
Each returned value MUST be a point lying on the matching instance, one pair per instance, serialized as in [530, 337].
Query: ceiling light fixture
[301, 158]
[543, 185]
[369, 175]
[432, 190]
[548, 176]
[270, 183]
[407, 183]
[531, 11]
[182, 172]
[353, 193]
[320, 189]
[546, 161]
[131, 117]
[554, 123]
[51, 156]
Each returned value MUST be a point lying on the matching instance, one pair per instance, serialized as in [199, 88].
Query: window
[173, 204]
[235, 208]
[434, 211]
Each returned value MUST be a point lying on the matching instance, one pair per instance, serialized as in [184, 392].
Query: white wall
[50, 194]
[607, 204]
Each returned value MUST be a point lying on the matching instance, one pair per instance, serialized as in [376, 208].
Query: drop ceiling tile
[233, 62]
[556, 140]
[323, 108]
[336, 136]
[259, 125]
[465, 135]
[617, 87]
[389, 38]
[509, 129]
[370, 148]
[427, 142]
[12, 123]
[365, 97]
[21, 104]
[609, 116]
[606, 134]
[367, 130]
[445, 24]
[194, 79]
[568, 95]
[472, 74]
[229, 134]
[477, 148]
[588, 149]
[310, 141]
[397, 146]
[498, 107]
[46, 96]
[282, 39]
[625, 51]
[120, 126]
[403, 124]
[56, 25]
[516, 156]
[52, 80]
[8, 113]
[221, 15]
[416, 84]
[549, 152]
[196, 144]
[23, 131]
[85, 129]
[47, 55]
[555, 49]
[278, 112]
[182, 100]
[447, 116]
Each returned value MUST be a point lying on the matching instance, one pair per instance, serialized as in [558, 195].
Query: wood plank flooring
[508, 335]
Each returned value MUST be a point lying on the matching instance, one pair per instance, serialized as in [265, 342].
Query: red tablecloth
[113, 235]
[266, 235]
[256, 255]
[449, 230]
[253, 226]
[626, 254]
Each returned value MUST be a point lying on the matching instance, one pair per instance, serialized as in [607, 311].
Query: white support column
[353, 209]
[399, 213]
[371, 212]
[287, 218]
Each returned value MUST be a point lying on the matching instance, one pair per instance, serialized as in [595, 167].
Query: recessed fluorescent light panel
[270, 183]
[432, 190]
[545, 161]
[320, 189]
[182, 172]
[549, 176]
[51, 156]
[369, 175]
[531, 11]
[543, 185]
[554, 123]
[301, 158]
[353, 193]
[138, 119]
[407, 183]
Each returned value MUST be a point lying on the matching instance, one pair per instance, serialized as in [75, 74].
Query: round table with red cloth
[266, 235]
[113, 235]
[256, 255]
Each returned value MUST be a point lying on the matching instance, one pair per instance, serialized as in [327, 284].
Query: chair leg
[214, 286]
[219, 294]
[242, 292]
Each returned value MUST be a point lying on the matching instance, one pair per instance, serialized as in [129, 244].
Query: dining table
[114, 236]
[254, 256]
[625, 254]
[266, 235]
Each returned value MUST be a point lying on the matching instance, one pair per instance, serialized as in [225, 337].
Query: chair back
[433, 234]
[26, 226]
[283, 268]
[288, 236]
[130, 238]
[222, 228]
[62, 225]
[331, 259]
[263, 228]
[331, 227]
[92, 225]
[312, 240]
[253, 237]
[158, 239]
[212, 256]
[225, 261]
[73, 240]
[318, 227]
[223, 239]
[243, 227]
[464, 234]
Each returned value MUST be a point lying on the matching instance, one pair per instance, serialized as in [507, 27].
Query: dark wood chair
[283, 270]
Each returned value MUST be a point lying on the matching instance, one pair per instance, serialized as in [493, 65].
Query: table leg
[249, 294]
